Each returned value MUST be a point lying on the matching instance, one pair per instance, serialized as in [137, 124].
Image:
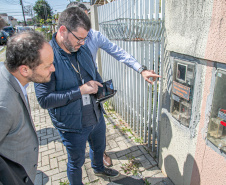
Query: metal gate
[137, 26]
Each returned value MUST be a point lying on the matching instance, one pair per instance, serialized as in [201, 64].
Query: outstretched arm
[149, 74]
[97, 40]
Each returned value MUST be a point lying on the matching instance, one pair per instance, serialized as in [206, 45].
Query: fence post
[95, 26]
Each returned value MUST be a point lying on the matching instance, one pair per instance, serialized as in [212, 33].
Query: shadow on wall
[170, 163]
[172, 170]
[165, 132]
[195, 175]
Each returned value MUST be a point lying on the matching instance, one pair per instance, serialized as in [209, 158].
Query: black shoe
[108, 172]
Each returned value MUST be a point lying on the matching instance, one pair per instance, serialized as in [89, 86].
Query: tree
[42, 21]
[42, 10]
[21, 23]
[49, 21]
[30, 23]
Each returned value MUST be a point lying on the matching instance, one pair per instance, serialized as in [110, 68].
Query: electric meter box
[182, 91]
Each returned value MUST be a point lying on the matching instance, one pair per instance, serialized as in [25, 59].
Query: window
[182, 91]
[217, 124]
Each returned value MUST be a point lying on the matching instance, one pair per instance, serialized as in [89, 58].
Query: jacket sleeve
[99, 78]
[6, 122]
[117, 52]
[48, 97]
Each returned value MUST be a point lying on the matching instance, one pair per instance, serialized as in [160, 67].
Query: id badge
[85, 99]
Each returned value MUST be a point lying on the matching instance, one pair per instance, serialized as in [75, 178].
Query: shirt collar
[23, 88]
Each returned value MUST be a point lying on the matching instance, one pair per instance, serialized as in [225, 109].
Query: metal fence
[133, 29]
[138, 102]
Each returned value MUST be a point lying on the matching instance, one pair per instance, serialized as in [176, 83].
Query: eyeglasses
[79, 40]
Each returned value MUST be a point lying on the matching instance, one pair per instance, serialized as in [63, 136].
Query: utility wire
[10, 12]
[28, 2]
[10, 2]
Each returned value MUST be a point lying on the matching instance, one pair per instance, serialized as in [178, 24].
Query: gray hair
[73, 4]
[24, 49]
[77, 4]
[74, 18]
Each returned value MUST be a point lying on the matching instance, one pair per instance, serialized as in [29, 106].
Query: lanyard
[78, 71]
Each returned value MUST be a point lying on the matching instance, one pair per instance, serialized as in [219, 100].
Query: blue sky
[13, 7]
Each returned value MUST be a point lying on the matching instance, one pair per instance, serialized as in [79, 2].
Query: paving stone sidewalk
[127, 155]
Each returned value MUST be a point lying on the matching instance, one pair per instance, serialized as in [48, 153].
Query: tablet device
[105, 92]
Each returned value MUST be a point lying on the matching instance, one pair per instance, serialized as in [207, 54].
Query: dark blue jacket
[62, 96]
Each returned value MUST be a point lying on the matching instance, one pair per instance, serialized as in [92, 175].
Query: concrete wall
[195, 32]
[197, 28]
[177, 142]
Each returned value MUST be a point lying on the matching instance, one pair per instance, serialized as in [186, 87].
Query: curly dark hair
[73, 18]
[24, 49]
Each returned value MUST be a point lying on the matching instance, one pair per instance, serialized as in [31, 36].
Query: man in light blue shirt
[96, 40]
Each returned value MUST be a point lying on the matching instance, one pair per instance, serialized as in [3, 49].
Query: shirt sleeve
[117, 52]
[48, 97]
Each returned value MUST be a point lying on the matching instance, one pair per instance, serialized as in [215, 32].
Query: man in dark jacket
[70, 96]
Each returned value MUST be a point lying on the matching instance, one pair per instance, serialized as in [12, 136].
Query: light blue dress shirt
[23, 88]
[96, 40]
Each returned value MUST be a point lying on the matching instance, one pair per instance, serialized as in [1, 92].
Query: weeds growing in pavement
[131, 166]
[146, 182]
[138, 140]
[64, 183]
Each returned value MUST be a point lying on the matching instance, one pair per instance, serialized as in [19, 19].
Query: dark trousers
[75, 144]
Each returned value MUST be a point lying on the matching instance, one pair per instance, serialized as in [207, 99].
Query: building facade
[10, 21]
[193, 123]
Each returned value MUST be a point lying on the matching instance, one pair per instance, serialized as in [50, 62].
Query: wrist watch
[142, 68]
